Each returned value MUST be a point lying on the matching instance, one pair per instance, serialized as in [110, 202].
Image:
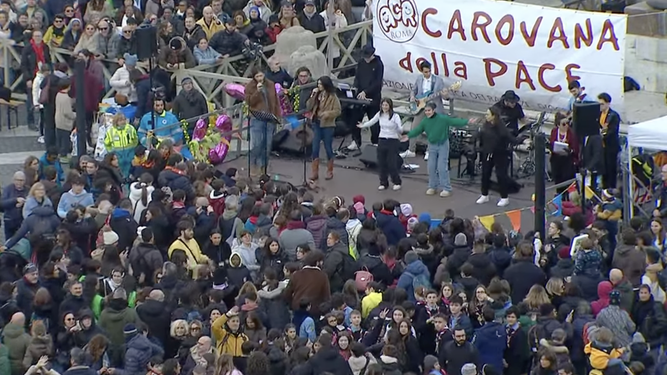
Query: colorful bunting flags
[515, 219]
[487, 221]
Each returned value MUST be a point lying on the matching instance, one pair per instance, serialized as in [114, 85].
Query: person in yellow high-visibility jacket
[226, 331]
[122, 139]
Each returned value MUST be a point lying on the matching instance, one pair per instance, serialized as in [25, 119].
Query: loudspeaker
[293, 142]
[369, 156]
[146, 37]
[586, 119]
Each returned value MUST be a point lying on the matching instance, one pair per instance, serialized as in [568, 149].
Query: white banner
[494, 46]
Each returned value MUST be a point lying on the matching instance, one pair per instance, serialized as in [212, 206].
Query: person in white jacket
[120, 80]
[36, 93]
[141, 194]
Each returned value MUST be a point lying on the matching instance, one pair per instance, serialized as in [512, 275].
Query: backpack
[535, 334]
[362, 278]
[419, 280]
[44, 93]
[349, 267]
[140, 266]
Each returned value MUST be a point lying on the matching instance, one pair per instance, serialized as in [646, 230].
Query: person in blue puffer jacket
[490, 340]
[414, 268]
[139, 352]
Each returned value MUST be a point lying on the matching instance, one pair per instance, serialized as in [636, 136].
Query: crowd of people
[197, 272]
[104, 35]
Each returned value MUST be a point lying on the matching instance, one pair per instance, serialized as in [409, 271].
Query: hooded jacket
[630, 260]
[43, 221]
[39, 346]
[316, 225]
[237, 276]
[334, 261]
[227, 341]
[604, 288]
[135, 198]
[273, 305]
[124, 225]
[176, 179]
[327, 360]
[157, 317]
[293, 236]
[139, 352]
[17, 341]
[113, 319]
[391, 227]
[491, 341]
[368, 78]
[411, 271]
[182, 57]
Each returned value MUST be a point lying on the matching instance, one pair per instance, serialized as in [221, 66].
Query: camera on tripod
[253, 51]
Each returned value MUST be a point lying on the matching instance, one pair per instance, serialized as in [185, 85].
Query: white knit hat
[110, 238]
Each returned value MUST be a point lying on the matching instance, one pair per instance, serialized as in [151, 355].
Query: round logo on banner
[398, 19]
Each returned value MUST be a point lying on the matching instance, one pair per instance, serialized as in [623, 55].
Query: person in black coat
[122, 222]
[34, 54]
[523, 273]
[189, 103]
[74, 302]
[155, 313]
[517, 353]
[610, 121]
[483, 270]
[174, 176]
[372, 262]
[326, 359]
[310, 19]
[500, 254]
[457, 353]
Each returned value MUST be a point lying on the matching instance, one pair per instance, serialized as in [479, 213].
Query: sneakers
[40, 139]
[482, 199]
[382, 187]
[352, 146]
[407, 154]
[430, 192]
[445, 194]
[396, 187]
[503, 202]
[426, 156]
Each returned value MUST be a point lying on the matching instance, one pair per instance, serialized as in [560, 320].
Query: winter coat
[334, 261]
[176, 180]
[521, 276]
[157, 317]
[120, 81]
[327, 360]
[651, 321]
[411, 271]
[377, 268]
[226, 43]
[317, 225]
[274, 306]
[124, 225]
[43, 221]
[483, 270]
[630, 260]
[31, 203]
[139, 352]
[39, 346]
[114, 317]
[17, 341]
[274, 261]
[311, 283]
[227, 341]
[391, 227]
[294, 236]
[65, 115]
[70, 200]
[209, 56]
[135, 197]
[192, 38]
[563, 268]
[145, 258]
[619, 322]
[490, 341]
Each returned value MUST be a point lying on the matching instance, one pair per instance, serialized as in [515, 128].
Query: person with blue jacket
[42, 221]
[50, 158]
[490, 340]
[166, 126]
[205, 55]
[13, 199]
[414, 268]
[388, 222]
[77, 196]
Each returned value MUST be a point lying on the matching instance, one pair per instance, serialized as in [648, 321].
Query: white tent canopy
[651, 134]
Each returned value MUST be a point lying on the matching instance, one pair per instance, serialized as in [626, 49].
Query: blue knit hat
[425, 217]
[130, 59]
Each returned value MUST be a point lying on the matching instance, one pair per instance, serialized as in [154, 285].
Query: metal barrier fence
[209, 79]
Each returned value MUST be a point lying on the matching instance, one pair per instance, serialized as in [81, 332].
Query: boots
[330, 165]
[315, 169]
[254, 171]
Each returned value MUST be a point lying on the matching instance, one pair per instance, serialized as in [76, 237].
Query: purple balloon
[279, 89]
[235, 90]
[223, 123]
[200, 130]
[217, 154]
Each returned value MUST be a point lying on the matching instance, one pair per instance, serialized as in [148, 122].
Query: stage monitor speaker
[146, 37]
[369, 156]
[293, 142]
[586, 119]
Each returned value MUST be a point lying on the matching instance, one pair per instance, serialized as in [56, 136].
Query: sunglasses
[127, 32]
[104, 28]
[57, 21]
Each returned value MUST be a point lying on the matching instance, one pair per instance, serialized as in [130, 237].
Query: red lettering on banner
[456, 17]
[582, 32]
[522, 76]
[509, 20]
[428, 12]
[482, 26]
[491, 76]
[580, 37]
[557, 27]
[530, 38]
[540, 78]
[568, 72]
[608, 27]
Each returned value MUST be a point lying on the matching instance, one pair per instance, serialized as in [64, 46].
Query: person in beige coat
[64, 119]
[324, 107]
[90, 40]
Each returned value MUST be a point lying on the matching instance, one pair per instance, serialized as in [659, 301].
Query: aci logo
[398, 19]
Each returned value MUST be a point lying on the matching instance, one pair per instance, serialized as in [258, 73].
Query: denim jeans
[261, 138]
[63, 142]
[325, 135]
[438, 166]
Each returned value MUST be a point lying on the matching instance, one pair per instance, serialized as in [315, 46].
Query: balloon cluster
[237, 91]
[219, 152]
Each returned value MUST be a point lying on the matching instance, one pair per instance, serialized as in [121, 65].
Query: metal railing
[208, 79]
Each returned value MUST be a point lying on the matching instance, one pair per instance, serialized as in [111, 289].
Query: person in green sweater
[437, 127]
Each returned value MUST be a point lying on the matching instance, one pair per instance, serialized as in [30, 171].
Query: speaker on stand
[586, 125]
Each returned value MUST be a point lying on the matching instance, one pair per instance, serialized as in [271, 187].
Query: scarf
[39, 54]
[58, 33]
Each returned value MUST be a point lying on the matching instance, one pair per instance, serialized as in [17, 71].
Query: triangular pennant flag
[558, 202]
[572, 188]
[515, 219]
[487, 221]
[588, 193]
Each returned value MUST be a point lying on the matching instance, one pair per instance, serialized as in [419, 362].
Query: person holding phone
[564, 148]
[389, 143]
[264, 108]
[324, 107]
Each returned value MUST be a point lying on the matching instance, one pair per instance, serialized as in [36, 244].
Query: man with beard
[189, 103]
[458, 352]
[145, 258]
[26, 288]
[166, 126]
[74, 302]
[228, 42]
[186, 242]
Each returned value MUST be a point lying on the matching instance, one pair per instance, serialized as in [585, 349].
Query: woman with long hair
[536, 297]
[96, 10]
[89, 40]
[97, 350]
[225, 365]
[141, 194]
[31, 170]
[391, 130]
[564, 147]
[262, 102]
[657, 234]
[68, 247]
[325, 108]
[495, 139]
